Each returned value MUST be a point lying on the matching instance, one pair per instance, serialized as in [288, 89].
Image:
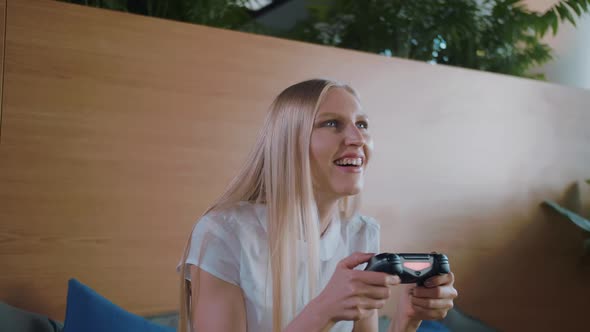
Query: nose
[354, 136]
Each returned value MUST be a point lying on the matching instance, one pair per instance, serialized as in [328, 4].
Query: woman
[283, 248]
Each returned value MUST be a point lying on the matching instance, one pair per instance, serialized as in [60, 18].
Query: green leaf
[542, 23]
[583, 4]
[575, 218]
[574, 5]
[564, 13]
[554, 22]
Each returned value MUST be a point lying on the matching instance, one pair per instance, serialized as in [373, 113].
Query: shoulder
[363, 234]
[363, 224]
[234, 218]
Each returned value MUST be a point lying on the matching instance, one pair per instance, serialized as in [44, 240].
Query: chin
[350, 191]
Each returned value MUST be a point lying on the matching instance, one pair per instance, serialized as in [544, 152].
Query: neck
[327, 207]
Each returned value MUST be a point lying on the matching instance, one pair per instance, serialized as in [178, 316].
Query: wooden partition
[2, 41]
[118, 130]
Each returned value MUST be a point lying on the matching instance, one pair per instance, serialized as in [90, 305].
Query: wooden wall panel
[2, 41]
[118, 130]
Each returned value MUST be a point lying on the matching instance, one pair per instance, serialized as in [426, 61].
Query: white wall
[571, 46]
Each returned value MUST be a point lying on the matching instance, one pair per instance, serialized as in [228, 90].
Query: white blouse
[233, 246]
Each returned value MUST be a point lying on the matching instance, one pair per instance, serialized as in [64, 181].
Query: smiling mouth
[349, 162]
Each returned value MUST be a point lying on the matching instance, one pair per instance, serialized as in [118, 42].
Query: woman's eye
[331, 123]
[363, 124]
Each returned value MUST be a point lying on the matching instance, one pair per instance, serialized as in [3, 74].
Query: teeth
[349, 161]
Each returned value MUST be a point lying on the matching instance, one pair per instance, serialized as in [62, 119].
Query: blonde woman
[283, 248]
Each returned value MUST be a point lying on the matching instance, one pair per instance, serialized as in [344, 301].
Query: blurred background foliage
[501, 36]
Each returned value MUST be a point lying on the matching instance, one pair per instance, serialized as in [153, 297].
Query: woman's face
[340, 146]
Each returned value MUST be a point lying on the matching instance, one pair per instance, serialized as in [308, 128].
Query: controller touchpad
[417, 266]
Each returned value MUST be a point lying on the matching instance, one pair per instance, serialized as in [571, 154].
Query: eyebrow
[335, 115]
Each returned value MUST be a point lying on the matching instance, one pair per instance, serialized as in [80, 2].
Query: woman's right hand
[353, 294]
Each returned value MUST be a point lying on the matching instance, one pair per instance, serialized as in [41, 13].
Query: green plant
[228, 14]
[500, 36]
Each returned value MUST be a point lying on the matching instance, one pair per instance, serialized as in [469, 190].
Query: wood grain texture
[118, 130]
[2, 42]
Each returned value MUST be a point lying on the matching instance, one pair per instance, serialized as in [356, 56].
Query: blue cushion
[88, 311]
[425, 326]
[432, 326]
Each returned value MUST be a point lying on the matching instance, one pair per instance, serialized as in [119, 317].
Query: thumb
[355, 259]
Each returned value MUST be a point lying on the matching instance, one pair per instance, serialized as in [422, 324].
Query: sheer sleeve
[215, 248]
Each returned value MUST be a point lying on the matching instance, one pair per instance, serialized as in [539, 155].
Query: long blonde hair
[277, 173]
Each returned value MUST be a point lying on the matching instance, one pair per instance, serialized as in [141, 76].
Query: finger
[407, 288]
[374, 304]
[364, 303]
[429, 314]
[355, 259]
[441, 279]
[356, 313]
[431, 304]
[374, 292]
[375, 278]
[439, 292]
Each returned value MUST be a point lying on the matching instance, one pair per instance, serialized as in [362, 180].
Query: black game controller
[411, 268]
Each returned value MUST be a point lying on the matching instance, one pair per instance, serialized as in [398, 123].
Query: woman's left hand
[429, 302]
